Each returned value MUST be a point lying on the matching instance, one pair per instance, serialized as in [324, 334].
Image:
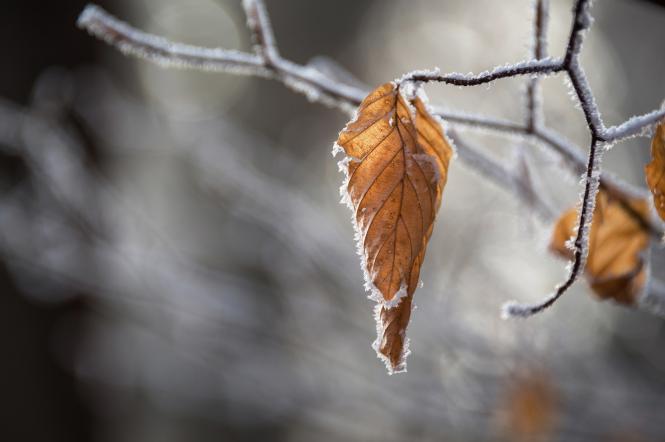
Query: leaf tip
[384, 343]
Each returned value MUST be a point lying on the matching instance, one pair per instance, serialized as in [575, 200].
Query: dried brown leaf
[655, 170]
[617, 241]
[396, 168]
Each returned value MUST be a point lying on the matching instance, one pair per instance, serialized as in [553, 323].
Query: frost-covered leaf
[655, 170]
[616, 266]
[396, 168]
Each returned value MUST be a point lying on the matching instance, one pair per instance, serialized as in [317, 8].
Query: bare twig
[504, 177]
[262, 34]
[303, 79]
[581, 248]
[539, 51]
[546, 66]
[634, 126]
[481, 122]
[132, 41]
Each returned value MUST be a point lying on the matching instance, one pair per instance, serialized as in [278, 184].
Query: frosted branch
[510, 180]
[464, 119]
[262, 34]
[571, 154]
[634, 126]
[541, 21]
[546, 66]
[586, 99]
[615, 187]
[581, 22]
[302, 79]
[539, 51]
[319, 87]
[131, 41]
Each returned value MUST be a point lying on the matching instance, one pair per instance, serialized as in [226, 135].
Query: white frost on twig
[262, 34]
[315, 84]
[580, 244]
[166, 53]
[409, 76]
[636, 126]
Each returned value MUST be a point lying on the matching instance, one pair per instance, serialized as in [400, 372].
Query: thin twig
[539, 51]
[541, 21]
[546, 66]
[634, 126]
[504, 177]
[581, 248]
[464, 119]
[132, 41]
[262, 34]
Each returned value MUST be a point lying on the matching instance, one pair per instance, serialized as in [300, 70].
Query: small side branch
[131, 41]
[499, 125]
[166, 53]
[586, 99]
[581, 22]
[510, 180]
[546, 66]
[580, 245]
[634, 126]
[539, 51]
[261, 29]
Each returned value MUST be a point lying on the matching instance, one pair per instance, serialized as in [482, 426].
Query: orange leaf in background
[615, 266]
[655, 170]
[529, 407]
[396, 168]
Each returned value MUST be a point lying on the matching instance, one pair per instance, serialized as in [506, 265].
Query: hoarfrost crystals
[166, 53]
[401, 293]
